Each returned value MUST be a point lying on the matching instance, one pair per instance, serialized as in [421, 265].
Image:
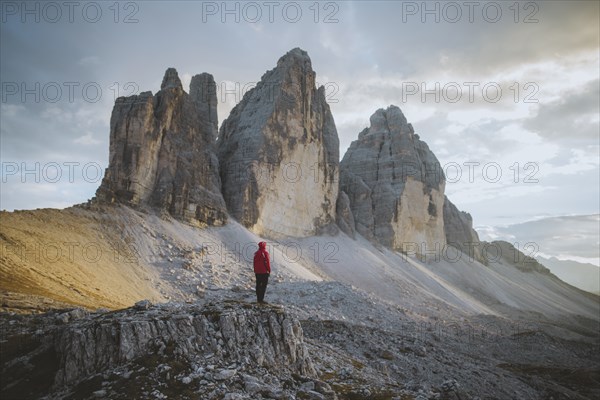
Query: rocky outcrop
[162, 152]
[279, 152]
[201, 343]
[265, 337]
[458, 227]
[395, 185]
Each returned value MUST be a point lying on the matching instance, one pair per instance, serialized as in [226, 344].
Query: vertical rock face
[267, 338]
[58, 352]
[279, 152]
[203, 91]
[395, 185]
[345, 219]
[458, 226]
[162, 152]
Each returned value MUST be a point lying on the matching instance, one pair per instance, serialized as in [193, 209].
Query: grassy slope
[72, 256]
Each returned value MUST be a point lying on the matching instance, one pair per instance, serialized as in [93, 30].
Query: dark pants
[261, 286]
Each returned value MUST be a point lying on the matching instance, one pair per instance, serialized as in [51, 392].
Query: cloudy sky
[506, 94]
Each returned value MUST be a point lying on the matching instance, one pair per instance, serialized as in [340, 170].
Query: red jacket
[262, 263]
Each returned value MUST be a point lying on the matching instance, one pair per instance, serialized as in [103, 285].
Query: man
[262, 269]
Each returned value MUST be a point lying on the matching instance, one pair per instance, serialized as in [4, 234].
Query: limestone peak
[284, 120]
[203, 91]
[171, 79]
[394, 184]
[294, 56]
[391, 119]
[162, 153]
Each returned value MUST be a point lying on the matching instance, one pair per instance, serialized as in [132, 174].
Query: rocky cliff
[279, 153]
[177, 349]
[162, 151]
[344, 217]
[458, 227]
[395, 185]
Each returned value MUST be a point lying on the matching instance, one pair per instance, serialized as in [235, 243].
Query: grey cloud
[566, 118]
[412, 47]
[34, 133]
[560, 235]
[574, 192]
[480, 140]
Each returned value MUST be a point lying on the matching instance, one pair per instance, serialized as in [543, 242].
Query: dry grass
[70, 256]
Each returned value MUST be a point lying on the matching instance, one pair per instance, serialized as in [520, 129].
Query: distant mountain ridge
[582, 275]
[564, 244]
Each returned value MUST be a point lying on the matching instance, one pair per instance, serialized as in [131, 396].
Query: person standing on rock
[262, 270]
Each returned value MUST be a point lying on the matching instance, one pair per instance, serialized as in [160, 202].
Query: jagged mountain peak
[396, 190]
[293, 69]
[162, 152]
[391, 110]
[395, 184]
[171, 79]
[294, 56]
[390, 120]
[203, 91]
[285, 120]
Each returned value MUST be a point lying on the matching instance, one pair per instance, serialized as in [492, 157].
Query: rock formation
[204, 93]
[279, 152]
[458, 227]
[201, 343]
[395, 185]
[162, 151]
[344, 217]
